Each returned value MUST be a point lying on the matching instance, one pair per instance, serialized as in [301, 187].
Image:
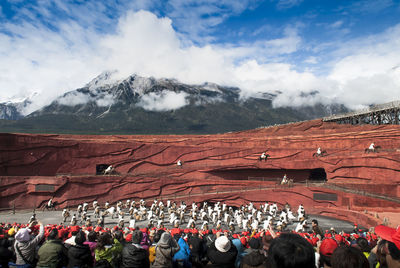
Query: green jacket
[52, 254]
[109, 253]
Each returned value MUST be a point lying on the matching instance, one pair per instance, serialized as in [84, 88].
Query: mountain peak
[103, 79]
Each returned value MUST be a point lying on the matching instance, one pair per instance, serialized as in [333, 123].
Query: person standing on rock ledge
[179, 163]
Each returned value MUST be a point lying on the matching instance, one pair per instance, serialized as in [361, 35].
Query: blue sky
[348, 51]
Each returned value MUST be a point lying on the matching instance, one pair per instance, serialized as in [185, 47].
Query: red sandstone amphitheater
[347, 183]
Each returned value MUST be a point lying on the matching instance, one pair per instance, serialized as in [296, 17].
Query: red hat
[314, 241]
[328, 246]
[175, 231]
[243, 240]
[338, 238]
[389, 234]
[128, 238]
[74, 229]
[195, 231]
[98, 229]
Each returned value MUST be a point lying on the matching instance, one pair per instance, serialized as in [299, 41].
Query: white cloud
[73, 98]
[370, 6]
[164, 101]
[337, 24]
[106, 100]
[197, 19]
[311, 60]
[285, 4]
[368, 72]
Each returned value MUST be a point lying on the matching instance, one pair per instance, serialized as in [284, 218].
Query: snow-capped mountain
[138, 104]
[14, 110]
[105, 92]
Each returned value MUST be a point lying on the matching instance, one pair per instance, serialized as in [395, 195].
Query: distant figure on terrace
[179, 163]
[372, 148]
[109, 170]
[49, 205]
[284, 180]
[320, 153]
[263, 157]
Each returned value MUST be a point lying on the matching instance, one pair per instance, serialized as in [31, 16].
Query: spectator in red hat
[392, 246]
[348, 257]
[326, 249]
[73, 231]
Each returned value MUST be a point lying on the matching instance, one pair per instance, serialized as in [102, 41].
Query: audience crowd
[87, 245]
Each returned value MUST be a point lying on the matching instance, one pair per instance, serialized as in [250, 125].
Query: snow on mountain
[17, 108]
[149, 93]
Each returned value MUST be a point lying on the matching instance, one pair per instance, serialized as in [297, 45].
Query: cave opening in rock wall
[298, 175]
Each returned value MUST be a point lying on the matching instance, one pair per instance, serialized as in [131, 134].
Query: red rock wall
[211, 163]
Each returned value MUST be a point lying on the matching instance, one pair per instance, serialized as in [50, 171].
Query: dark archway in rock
[317, 174]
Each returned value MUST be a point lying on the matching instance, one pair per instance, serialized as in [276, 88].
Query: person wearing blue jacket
[181, 258]
[236, 242]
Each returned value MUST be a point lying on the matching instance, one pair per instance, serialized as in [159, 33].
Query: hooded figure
[165, 251]
[25, 246]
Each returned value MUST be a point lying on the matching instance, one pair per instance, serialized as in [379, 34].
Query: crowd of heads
[187, 242]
